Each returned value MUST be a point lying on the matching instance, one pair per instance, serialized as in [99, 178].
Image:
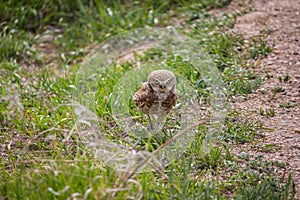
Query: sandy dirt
[280, 19]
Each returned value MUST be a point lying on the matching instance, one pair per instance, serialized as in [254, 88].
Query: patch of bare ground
[277, 102]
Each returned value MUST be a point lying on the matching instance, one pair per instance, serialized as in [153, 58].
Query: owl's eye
[156, 81]
[168, 82]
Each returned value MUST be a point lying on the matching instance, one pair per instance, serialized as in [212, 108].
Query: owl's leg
[161, 119]
[150, 124]
[156, 122]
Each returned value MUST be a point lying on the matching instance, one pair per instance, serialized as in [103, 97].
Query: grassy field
[43, 44]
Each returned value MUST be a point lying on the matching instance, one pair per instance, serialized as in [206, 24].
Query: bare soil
[280, 92]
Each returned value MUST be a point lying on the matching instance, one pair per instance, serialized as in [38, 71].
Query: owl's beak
[162, 86]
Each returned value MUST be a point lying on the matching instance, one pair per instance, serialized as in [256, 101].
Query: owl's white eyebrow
[167, 80]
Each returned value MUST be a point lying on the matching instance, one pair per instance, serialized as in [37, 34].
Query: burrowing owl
[157, 96]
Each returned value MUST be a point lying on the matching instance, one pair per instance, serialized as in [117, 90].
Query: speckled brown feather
[149, 103]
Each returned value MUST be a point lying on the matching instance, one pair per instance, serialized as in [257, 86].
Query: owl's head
[162, 81]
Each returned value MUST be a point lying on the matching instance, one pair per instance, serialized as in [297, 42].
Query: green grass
[42, 156]
[288, 105]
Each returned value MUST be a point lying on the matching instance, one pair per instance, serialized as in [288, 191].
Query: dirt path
[281, 89]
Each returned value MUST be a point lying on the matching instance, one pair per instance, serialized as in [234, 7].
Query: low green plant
[42, 156]
[288, 105]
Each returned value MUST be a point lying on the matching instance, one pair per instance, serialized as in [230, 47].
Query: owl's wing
[174, 98]
[170, 102]
[141, 97]
[138, 96]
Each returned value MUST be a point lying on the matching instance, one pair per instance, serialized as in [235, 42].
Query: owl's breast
[149, 102]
